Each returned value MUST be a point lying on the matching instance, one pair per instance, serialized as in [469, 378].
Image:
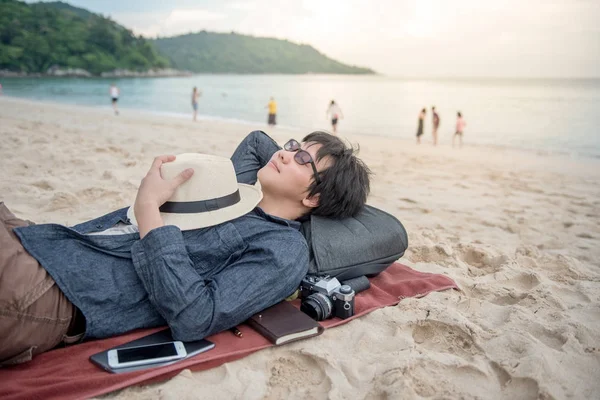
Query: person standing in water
[114, 95]
[272, 118]
[195, 95]
[436, 125]
[460, 126]
[335, 112]
[421, 121]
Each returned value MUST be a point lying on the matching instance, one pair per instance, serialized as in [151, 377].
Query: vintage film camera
[325, 297]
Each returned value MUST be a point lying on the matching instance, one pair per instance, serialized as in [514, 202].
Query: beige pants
[35, 315]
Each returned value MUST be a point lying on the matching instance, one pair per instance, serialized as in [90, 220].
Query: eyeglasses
[302, 157]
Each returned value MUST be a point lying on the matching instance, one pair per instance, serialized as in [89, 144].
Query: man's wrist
[148, 217]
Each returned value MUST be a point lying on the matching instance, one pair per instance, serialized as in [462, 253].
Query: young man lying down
[200, 250]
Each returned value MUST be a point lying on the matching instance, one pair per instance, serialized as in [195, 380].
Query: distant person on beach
[436, 125]
[272, 118]
[195, 95]
[114, 95]
[335, 112]
[0, 89]
[422, 115]
[460, 126]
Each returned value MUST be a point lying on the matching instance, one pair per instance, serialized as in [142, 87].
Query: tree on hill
[80, 12]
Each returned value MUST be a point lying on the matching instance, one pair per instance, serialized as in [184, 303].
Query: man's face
[284, 177]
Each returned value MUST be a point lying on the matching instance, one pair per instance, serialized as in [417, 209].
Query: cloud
[191, 16]
[245, 6]
[175, 22]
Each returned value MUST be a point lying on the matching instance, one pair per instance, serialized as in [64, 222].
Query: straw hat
[210, 197]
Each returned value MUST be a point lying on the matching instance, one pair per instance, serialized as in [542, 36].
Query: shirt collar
[277, 220]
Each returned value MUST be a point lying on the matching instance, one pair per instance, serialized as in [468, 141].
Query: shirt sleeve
[253, 153]
[195, 307]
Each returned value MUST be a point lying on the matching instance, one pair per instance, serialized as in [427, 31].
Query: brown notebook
[283, 323]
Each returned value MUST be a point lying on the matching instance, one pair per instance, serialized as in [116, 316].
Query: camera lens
[317, 306]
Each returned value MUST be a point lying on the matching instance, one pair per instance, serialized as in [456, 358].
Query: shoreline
[12, 74]
[78, 73]
[568, 155]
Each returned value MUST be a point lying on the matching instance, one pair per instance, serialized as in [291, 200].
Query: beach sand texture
[519, 232]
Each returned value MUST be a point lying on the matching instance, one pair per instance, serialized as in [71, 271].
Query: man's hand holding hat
[154, 191]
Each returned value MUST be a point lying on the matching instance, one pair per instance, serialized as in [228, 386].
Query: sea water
[545, 115]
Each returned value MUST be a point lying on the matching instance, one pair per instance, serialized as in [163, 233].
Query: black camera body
[325, 297]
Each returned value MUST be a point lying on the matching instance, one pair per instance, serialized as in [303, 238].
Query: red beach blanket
[67, 373]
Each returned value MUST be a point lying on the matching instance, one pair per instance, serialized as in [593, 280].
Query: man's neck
[281, 208]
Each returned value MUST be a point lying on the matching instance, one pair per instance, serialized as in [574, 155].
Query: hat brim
[250, 197]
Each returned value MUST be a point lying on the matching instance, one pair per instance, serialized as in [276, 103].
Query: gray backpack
[352, 247]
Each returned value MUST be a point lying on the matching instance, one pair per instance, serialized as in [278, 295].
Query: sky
[410, 38]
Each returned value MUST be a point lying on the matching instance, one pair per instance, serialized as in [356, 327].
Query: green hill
[34, 37]
[233, 53]
[59, 5]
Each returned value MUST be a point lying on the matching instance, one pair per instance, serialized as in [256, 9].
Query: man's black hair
[344, 184]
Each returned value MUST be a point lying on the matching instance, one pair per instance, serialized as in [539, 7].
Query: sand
[518, 231]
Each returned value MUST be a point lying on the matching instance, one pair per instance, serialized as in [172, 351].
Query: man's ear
[311, 202]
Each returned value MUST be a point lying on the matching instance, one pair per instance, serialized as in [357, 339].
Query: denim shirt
[199, 282]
